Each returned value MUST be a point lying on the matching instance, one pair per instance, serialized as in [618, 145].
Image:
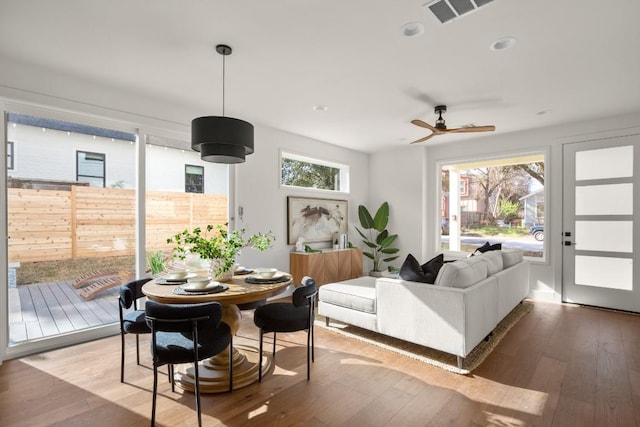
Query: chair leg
[155, 392]
[313, 344]
[274, 344]
[195, 366]
[308, 354]
[122, 357]
[172, 379]
[260, 358]
[137, 349]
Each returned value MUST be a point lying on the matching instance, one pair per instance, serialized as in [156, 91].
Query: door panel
[600, 208]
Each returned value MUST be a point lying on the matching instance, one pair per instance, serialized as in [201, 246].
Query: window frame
[515, 155]
[343, 179]
[104, 166]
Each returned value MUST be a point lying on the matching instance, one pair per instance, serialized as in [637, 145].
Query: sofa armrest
[449, 319]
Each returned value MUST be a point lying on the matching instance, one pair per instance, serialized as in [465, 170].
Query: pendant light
[221, 139]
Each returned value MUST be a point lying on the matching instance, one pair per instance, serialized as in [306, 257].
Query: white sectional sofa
[466, 302]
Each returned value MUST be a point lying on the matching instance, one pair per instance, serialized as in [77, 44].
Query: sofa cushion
[462, 273]
[511, 256]
[357, 294]
[411, 270]
[494, 261]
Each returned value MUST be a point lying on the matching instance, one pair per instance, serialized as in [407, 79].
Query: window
[495, 201]
[90, 168]
[305, 172]
[193, 179]
[10, 155]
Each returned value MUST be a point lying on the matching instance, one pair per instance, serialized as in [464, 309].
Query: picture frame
[316, 219]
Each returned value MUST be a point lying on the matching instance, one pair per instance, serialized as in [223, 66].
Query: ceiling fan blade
[423, 124]
[423, 139]
[473, 129]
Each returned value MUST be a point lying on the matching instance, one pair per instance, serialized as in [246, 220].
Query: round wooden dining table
[214, 372]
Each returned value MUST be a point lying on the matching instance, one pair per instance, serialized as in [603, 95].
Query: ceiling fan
[441, 128]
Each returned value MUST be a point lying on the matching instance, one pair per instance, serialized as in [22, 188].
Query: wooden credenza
[327, 266]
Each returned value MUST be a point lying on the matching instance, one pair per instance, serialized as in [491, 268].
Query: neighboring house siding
[51, 155]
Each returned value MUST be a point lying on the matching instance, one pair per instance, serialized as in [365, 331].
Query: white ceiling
[574, 60]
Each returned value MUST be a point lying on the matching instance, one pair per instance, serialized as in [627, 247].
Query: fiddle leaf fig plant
[376, 237]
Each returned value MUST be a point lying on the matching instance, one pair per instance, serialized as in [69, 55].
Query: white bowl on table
[198, 282]
[266, 273]
[177, 274]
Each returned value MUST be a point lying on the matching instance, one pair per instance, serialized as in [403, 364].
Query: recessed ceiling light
[503, 43]
[320, 108]
[412, 29]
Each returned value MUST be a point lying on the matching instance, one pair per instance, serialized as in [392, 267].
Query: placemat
[259, 281]
[170, 281]
[217, 289]
[242, 272]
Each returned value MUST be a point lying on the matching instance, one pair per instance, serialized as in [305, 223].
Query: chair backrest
[130, 292]
[181, 317]
[305, 294]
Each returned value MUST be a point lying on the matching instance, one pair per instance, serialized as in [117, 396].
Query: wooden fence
[86, 222]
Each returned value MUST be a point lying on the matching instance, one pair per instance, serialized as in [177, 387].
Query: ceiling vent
[446, 10]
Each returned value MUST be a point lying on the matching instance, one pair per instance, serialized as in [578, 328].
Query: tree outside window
[299, 171]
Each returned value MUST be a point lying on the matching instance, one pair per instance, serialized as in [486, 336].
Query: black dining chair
[297, 315]
[131, 322]
[185, 333]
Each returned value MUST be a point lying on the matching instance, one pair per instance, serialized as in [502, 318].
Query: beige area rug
[428, 355]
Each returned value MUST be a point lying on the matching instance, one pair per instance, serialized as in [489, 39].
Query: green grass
[496, 231]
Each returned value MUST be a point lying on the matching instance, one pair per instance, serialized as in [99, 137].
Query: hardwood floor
[561, 365]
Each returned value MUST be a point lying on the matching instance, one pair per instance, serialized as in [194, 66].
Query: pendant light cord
[223, 81]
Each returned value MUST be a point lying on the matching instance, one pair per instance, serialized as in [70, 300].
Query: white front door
[601, 201]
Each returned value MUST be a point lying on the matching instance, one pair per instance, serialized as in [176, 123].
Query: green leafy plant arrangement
[156, 262]
[377, 238]
[217, 243]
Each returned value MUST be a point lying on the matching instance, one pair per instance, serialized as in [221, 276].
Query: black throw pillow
[412, 271]
[432, 267]
[489, 247]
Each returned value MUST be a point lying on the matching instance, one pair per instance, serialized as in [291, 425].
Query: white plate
[192, 288]
[274, 277]
[188, 276]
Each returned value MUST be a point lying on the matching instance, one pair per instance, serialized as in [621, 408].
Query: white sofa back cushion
[511, 256]
[494, 261]
[462, 273]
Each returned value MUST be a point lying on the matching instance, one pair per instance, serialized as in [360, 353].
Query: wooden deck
[45, 309]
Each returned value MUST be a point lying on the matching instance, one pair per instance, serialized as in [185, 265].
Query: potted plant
[377, 239]
[218, 246]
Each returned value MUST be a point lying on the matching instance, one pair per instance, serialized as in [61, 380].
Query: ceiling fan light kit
[448, 10]
[441, 127]
[221, 139]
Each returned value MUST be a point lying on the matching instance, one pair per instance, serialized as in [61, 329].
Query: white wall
[264, 201]
[415, 217]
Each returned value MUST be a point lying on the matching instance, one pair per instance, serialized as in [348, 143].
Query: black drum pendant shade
[232, 136]
[221, 139]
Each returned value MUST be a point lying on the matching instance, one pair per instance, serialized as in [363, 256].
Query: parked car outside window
[537, 231]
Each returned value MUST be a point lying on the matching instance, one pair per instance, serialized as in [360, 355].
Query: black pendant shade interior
[221, 139]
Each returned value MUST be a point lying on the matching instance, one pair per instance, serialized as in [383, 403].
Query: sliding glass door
[71, 215]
